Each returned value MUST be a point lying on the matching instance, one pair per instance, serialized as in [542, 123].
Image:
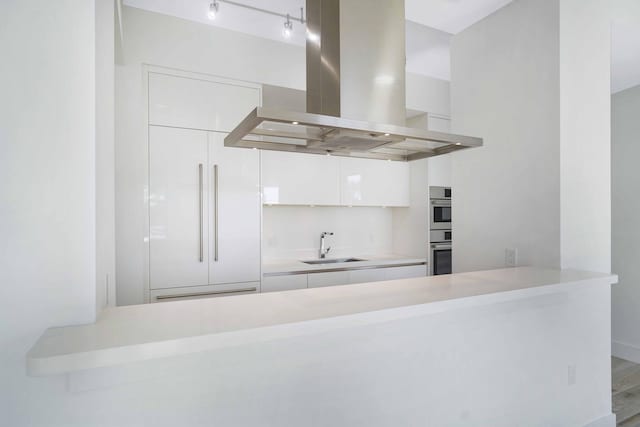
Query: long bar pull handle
[215, 212]
[201, 205]
[200, 294]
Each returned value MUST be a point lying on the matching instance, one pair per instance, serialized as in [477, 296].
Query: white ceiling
[451, 16]
[430, 25]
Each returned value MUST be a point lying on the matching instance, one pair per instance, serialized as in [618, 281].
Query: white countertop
[276, 267]
[142, 332]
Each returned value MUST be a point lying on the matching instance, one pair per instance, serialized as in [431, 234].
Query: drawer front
[318, 280]
[284, 283]
[368, 275]
[197, 292]
[393, 273]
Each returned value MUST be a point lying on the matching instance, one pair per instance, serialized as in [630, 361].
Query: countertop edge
[289, 267]
[331, 269]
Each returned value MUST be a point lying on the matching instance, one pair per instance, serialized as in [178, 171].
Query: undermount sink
[333, 261]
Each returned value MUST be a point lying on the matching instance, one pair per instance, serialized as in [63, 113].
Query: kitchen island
[520, 346]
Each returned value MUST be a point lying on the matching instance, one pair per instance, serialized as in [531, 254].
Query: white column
[585, 135]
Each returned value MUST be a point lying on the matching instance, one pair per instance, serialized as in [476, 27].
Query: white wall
[428, 95]
[48, 192]
[504, 89]
[625, 207]
[530, 79]
[440, 167]
[411, 225]
[151, 38]
[105, 155]
[625, 45]
[293, 232]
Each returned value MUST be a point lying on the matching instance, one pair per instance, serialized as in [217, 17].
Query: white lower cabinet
[204, 211]
[284, 283]
[197, 292]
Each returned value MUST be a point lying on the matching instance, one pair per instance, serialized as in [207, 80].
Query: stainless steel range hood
[355, 91]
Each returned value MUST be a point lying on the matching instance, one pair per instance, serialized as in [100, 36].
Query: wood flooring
[625, 378]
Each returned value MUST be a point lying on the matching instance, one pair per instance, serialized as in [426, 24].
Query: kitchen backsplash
[293, 232]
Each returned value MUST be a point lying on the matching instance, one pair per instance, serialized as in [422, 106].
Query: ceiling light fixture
[288, 28]
[213, 10]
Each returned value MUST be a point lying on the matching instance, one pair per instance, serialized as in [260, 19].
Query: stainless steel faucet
[323, 251]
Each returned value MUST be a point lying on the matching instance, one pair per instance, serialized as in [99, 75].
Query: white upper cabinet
[178, 190]
[300, 179]
[207, 104]
[440, 166]
[234, 248]
[365, 182]
[307, 179]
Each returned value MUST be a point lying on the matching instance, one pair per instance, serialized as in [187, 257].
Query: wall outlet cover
[571, 375]
[511, 257]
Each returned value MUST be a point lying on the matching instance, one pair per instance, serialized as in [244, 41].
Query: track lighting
[288, 28]
[213, 10]
[287, 31]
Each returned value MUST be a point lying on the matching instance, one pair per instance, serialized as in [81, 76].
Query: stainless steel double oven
[440, 235]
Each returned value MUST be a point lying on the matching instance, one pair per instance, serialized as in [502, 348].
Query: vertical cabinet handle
[215, 212]
[200, 197]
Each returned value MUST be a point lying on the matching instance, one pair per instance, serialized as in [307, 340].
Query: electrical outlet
[511, 257]
[571, 374]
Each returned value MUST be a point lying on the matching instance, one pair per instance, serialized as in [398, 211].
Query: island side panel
[539, 361]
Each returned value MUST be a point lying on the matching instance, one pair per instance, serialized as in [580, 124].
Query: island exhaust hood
[355, 91]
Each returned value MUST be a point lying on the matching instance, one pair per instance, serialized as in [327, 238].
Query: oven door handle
[444, 203]
[442, 246]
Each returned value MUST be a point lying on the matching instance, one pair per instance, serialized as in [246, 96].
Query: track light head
[288, 28]
[213, 10]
